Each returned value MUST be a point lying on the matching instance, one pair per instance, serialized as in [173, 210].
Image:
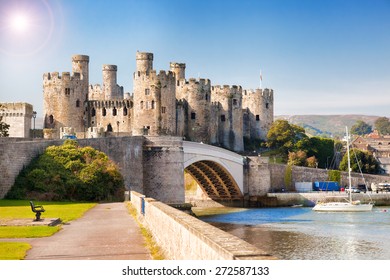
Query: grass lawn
[20, 209]
[66, 211]
[13, 250]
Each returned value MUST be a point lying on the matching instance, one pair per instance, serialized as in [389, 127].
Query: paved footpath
[105, 232]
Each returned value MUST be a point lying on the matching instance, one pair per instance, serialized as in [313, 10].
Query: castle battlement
[109, 67]
[265, 93]
[66, 76]
[114, 103]
[143, 56]
[95, 87]
[233, 88]
[80, 57]
[193, 81]
[165, 74]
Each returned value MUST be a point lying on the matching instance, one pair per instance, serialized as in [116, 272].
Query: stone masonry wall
[183, 237]
[305, 174]
[164, 169]
[125, 151]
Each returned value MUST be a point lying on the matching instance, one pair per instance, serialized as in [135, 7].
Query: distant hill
[327, 125]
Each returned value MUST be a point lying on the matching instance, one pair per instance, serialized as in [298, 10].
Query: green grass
[20, 209]
[27, 231]
[275, 156]
[13, 250]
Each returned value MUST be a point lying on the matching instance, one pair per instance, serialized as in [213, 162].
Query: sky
[319, 57]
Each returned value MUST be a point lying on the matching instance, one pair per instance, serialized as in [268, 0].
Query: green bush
[69, 172]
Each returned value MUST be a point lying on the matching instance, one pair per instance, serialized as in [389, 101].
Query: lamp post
[34, 115]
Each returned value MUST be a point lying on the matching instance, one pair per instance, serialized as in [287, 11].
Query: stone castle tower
[154, 99]
[65, 95]
[162, 103]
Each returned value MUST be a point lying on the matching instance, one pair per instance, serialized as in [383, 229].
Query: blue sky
[320, 57]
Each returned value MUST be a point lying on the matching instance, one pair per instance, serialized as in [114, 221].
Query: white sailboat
[349, 205]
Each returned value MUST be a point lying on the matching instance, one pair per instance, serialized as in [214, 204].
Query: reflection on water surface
[300, 233]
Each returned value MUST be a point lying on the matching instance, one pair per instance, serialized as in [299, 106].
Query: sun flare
[19, 22]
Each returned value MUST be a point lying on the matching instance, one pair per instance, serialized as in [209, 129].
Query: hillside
[326, 125]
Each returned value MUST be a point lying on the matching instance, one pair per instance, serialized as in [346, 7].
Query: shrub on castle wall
[69, 172]
[334, 175]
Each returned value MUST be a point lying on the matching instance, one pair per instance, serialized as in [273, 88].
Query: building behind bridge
[162, 103]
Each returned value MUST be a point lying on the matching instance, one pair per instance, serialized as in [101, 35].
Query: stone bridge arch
[217, 171]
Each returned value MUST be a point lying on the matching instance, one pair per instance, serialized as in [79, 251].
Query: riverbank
[309, 199]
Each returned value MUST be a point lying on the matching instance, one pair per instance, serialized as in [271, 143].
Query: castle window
[77, 103]
[153, 104]
[163, 110]
[257, 118]
[109, 128]
[266, 105]
[51, 119]
[146, 130]
[139, 73]
[146, 105]
[178, 82]
[104, 112]
[223, 118]
[114, 111]
[93, 112]
[67, 91]
[141, 105]
[125, 111]
[207, 97]
[147, 91]
[193, 116]
[235, 102]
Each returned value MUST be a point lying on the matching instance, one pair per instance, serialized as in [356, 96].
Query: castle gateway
[162, 103]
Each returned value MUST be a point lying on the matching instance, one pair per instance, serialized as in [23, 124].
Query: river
[303, 234]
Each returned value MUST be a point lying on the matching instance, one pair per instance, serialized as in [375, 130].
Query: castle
[162, 103]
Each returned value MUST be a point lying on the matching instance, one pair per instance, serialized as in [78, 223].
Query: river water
[303, 234]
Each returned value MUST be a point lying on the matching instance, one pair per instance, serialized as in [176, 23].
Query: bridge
[153, 166]
[217, 171]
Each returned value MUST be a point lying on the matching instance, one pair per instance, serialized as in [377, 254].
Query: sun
[19, 22]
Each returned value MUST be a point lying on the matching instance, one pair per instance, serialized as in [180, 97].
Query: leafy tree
[334, 175]
[69, 172]
[3, 126]
[365, 160]
[283, 135]
[297, 158]
[361, 128]
[300, 158]
[321, 148]
[382, 125]
[311, 162]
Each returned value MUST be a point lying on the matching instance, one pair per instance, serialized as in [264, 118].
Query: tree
[3, 126]
[361, 128]
[284, 136]
[297, 158]
[69, 172]
[321, 148]
[365, 160]
[382, 125]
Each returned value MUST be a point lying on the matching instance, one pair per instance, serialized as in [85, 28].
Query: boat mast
[349, 167]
